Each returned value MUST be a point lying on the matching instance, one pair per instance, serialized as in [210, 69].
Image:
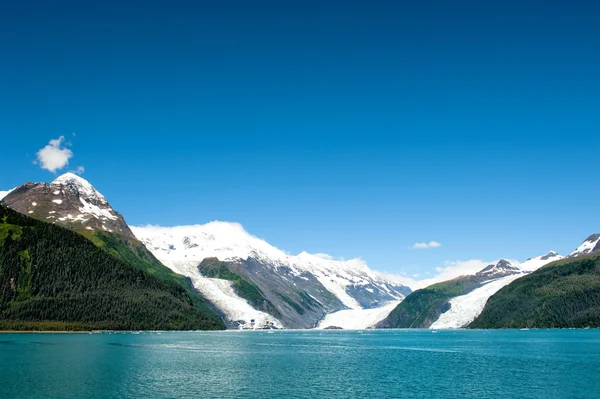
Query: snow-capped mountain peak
[535, 263]
[222, 240]
[550, 255]
[229, 241]
[590, 245]
[69, 200]
[78, 185]
[500, 269]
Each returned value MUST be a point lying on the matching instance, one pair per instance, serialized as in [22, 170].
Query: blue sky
[347, 128]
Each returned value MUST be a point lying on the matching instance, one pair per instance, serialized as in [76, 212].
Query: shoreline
[135, 332]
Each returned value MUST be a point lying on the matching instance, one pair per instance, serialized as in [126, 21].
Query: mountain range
[251, 284]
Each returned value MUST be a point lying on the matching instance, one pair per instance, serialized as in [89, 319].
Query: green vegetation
[299, 309]
[54, 279]
[132, 252]
[423, 307]
[306, 302]
[214, 268]
[563, 294]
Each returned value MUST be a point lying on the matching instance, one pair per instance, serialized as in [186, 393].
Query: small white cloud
[425, 245]
[4, 194]
[80, 170]
[54, 156]
[324, 256]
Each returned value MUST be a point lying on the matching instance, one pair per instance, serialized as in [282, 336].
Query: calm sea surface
[303, 364]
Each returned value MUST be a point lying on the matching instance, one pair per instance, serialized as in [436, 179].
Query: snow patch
[79, 185]
[57, 201]
[96, 211]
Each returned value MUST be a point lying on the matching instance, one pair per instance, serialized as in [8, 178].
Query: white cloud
[80, 170]
[425, 245]
[54, 156]
[4, 193]
[324, 256]
[453, 269]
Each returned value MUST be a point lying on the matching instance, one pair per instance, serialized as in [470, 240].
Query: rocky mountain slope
[69, 201]
[54, 279]
[292, 291]
[455, 303]
[590, 245]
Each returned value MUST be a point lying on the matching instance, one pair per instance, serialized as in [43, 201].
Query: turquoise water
[303, 364]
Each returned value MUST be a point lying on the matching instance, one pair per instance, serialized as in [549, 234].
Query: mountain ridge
[442, 304]
[307, 288]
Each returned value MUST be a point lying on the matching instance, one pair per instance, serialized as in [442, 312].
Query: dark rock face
[301, 300]
[590, 245]
[549, 255]
[593, 237]
[373, 295]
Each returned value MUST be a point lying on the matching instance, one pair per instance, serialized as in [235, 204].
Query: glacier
[357, 319]
[465, 308]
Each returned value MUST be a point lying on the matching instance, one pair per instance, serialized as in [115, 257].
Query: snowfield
[357, 319]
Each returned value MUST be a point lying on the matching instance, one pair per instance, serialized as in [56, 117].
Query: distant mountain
[563, 294]
[455, 303]
[54, 279]
[589, 245]
[248, 279]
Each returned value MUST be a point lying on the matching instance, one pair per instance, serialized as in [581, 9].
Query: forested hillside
[563, 294]
[54, 279]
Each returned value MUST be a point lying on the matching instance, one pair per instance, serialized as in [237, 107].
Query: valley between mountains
[69, 261]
